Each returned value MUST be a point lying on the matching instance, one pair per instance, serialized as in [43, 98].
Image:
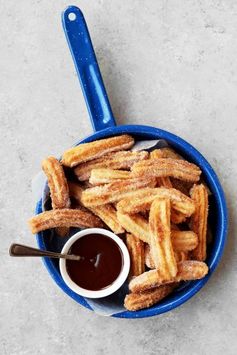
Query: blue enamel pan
[104, 125]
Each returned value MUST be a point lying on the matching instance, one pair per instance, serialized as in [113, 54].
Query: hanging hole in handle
[72, 16]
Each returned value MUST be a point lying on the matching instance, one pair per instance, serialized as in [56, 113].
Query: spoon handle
[24, 250]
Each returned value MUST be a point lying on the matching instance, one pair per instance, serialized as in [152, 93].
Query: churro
[115, 191]
[106, 176]
[142, 199]
[63, 218]
[136, 301]
[199, 220]
[176, 168]
[165, 152]
[187, 270]
[160, 238]
[57, 183]
[89, 151]
[58, 187]
[136, 225]
[107, 213]
[165, 180]
[117, 160]
[136, 252]
[184, 240]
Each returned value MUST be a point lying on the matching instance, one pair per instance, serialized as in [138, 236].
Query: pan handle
[88, 71]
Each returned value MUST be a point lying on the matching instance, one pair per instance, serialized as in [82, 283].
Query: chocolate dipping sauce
[100, 264]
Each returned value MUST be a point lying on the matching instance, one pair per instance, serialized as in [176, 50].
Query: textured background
[171, 64]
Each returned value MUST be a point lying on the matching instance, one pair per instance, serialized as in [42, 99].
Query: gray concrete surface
[170, 64]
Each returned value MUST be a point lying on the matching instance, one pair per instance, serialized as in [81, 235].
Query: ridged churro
[136, 252]
[160, 238]
[198, 223]
[165, 152]
[109, 193]
[136, 301]
[184, 240]
[187, 270]
[57, 183]
[176, 168]
[89, 151]
[165, 180]
[136, 225]
[63, 218]
[117, 160]
[142, 199]
[58, 187]
[106, 213]
[106, 176]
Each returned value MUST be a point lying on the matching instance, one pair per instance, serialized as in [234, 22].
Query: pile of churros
[155, 201]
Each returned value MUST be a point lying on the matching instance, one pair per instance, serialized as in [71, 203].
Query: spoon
[24, 250]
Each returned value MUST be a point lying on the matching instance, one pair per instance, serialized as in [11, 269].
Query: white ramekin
[115, 285]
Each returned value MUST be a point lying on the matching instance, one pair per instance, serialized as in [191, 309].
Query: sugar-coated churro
[136, 301]
[161, 181]
[63, 218]
[107, 213]
[142, 199]
[187, 270]
[136, 252]
[160, 238]
[57, 182]
[156, 154]
[136, 225]
[180, 169]
[165, 152]
[117, 160]
[58, 187]
[106, 176]
[198, 223]
[88, 151]
[184, 240]
[115, 191]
